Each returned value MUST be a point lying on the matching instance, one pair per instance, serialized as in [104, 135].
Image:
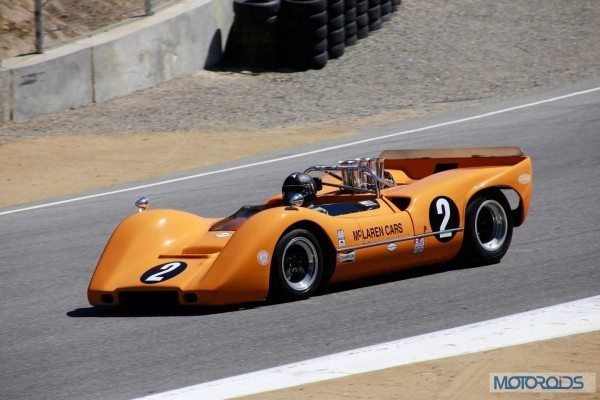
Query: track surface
[54, 345]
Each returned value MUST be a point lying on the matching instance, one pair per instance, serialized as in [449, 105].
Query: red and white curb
[545, 323]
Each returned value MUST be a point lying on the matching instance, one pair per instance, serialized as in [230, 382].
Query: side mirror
[141, 203]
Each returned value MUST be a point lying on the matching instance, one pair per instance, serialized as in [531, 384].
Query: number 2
[165, 269]
[443, 207]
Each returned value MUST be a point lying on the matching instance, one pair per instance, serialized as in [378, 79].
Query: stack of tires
[350, 25]
[336, 38]
[386, 10]
[303, 33]
[362, 19]
[374, 15]
[253, 41]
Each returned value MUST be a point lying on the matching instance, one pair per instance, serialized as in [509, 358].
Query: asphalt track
[54, 345]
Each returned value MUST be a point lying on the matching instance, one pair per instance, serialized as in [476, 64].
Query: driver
[305, 185]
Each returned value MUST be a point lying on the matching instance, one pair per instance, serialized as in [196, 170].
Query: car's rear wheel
[488, 229]
[297, 267]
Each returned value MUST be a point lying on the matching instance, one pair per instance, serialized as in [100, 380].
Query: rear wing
[419, 163]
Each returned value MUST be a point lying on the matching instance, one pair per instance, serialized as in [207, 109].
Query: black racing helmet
[304, 184]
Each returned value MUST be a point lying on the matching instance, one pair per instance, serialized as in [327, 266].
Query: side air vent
[401, 202]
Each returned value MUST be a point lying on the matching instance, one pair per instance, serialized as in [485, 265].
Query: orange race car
[355, 219]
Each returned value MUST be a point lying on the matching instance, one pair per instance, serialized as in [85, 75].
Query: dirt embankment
[63, 20]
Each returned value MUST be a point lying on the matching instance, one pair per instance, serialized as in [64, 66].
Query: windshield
[233, 222]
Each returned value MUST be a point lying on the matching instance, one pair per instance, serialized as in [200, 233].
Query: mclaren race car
[334, 223]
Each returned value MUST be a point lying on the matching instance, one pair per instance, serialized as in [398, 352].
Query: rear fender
[518, 178]
[461, 185]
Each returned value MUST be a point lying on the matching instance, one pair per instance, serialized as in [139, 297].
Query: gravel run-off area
[433, 55]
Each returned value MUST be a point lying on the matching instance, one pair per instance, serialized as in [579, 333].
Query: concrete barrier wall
[5, 94]
[176, 41]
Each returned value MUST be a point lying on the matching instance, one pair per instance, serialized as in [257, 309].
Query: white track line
[273, 160]
[545, 323]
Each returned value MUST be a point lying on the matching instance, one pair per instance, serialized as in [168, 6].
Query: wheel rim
[300, 264]
[491, 225]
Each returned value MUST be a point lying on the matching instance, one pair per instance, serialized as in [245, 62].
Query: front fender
[138, 241]
[242, 270]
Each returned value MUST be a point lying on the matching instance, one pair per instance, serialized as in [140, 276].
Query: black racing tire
[374, 14]
[336, 37]
[297, 267]
[362, 32]
[362, 21]
[320, 47]
[351, 40]
[319, 61]
[375, 25]
[336, 51]
[386, 8]
[318, 19]
[351, 29]
[300, 9]
[271, 22]
[336, 23]
[335, 8]
[488, 229]
[374, 3]
[298, 34]
[362, 7]
[256, 9]
[350, 15]
[308, 21]
[348, 4]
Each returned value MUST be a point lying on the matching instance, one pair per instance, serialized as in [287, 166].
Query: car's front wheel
[297, 267]
[488, 229]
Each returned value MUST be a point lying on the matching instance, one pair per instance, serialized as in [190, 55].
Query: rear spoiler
[419, 163]
[461, 152]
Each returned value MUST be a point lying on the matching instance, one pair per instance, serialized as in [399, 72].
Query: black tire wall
[350, 25]
[336, 39]
[303, 33]
[253, 38]
[300, 34]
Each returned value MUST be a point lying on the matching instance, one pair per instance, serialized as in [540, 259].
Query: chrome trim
[499, 222]
[289, 269]
[402, 239]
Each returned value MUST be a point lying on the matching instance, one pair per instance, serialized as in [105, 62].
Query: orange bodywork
[217, 267]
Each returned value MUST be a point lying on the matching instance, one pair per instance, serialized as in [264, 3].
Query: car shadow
[157, 310]
[408, 273]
